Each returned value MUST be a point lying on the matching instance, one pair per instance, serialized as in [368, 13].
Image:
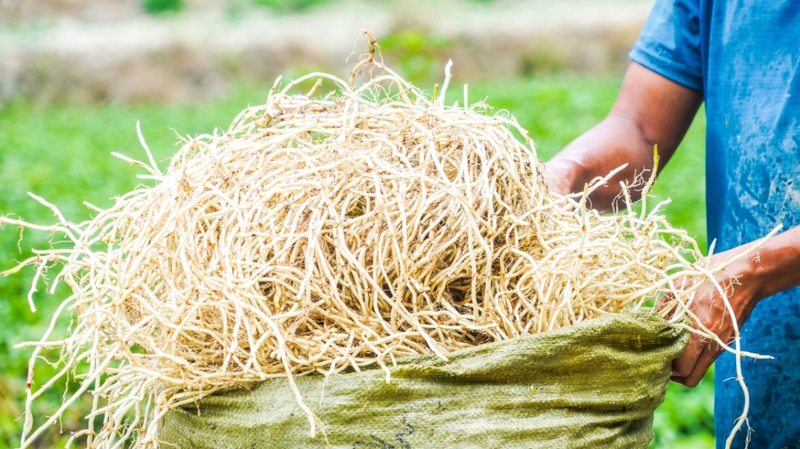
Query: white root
[319, 235]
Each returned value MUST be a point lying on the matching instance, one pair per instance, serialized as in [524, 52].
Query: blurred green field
[62, 153]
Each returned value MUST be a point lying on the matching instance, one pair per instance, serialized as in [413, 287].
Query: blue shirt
[744, 55]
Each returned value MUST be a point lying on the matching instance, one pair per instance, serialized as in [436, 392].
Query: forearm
[771, 268]
[650, 110]
[776, 265]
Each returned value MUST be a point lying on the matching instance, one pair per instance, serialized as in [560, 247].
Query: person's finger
[701, 365]
[700, 368]
[684, 365]
[711, 352]
[554, 183]
[668, 299]
[688, 379]
[667, 302]
[678, 379]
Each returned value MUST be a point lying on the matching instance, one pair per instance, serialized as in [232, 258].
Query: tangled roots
[322, 234]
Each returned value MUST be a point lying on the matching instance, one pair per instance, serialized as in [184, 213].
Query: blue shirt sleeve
[670, 42]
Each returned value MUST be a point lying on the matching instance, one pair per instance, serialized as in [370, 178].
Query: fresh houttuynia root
[318, 234]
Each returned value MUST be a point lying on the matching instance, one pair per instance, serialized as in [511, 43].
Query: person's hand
[740, 282]
[558, 175]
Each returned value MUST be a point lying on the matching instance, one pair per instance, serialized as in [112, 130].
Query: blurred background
[76, 75]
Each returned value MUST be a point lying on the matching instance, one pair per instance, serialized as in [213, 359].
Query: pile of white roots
[318, 235]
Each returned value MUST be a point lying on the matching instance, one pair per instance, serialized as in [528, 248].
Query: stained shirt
[744, 56]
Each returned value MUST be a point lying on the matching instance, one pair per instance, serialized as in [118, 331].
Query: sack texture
[592, 385]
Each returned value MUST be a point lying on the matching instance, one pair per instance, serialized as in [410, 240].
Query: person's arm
[650, 110]
[654, 110]
[772, 268]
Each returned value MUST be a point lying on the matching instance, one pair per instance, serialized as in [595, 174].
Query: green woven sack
[593, 385]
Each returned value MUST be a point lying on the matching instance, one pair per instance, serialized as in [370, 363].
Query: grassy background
[62, 152]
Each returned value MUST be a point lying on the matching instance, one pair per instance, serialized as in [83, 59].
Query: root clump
[318, 235]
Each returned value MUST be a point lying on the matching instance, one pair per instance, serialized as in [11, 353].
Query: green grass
[62, 152]
[162, 6]
[290, 6]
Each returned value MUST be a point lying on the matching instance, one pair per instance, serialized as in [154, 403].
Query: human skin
[652, 110]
